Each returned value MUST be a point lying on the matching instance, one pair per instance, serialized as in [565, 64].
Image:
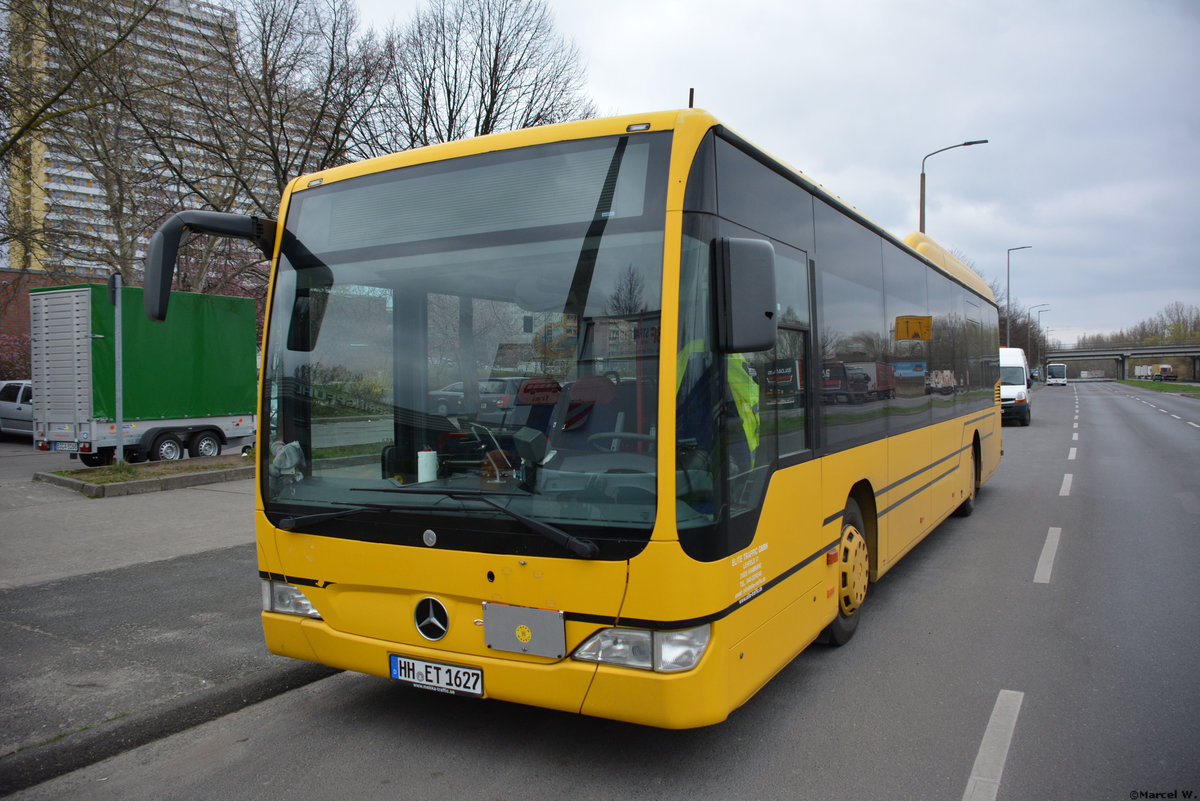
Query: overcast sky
[1092, 109]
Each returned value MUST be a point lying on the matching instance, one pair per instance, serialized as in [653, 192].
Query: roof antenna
[691, 97]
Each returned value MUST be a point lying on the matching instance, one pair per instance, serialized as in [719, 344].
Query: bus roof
[949, 263]
[667, 120]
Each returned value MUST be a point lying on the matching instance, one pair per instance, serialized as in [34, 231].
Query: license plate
[436, 676]
[66, 446]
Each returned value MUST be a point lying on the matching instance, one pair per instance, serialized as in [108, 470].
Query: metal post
[1008, 299]
[1041, 333]
[1037, 362]
[120, 390]
[921, 221]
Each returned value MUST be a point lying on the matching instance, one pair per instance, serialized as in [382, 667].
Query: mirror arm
[163, 252]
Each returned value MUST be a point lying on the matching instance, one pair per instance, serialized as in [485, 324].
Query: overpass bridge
[1123, 356]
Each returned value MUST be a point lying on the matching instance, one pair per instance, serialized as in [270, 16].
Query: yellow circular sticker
[524, 634]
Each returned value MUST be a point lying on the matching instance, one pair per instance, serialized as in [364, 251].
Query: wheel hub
[854, 570]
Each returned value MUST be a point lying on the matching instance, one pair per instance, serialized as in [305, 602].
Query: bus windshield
[474, 341]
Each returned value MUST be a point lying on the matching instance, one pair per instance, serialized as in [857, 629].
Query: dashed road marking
[993, 750]
[1065, 489]
[1071, 455]
[1046, 561]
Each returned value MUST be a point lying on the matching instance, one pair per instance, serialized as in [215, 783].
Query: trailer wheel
[167, 448]
[205, 443]
[94, 459]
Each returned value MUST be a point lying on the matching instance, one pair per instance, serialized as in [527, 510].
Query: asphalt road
[19, 461]
[1045, 647]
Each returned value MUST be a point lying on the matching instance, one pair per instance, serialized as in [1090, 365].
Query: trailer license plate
[436, 676]
[66, 446]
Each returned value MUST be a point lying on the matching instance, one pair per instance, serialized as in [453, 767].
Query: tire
[1028, 418]
[93, 459]
[968, 505]
[167, 448]
[854, 561]
[442, 409]
[206, 443]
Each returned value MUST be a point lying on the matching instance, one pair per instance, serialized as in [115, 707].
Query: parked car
[495, 395]
[16, 407]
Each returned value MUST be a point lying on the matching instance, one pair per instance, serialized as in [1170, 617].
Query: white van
[1015, 386]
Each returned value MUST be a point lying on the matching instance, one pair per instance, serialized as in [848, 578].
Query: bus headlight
[287, 600]
[662, 651]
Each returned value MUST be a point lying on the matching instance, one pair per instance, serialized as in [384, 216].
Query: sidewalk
[125, 619]
[50, 532]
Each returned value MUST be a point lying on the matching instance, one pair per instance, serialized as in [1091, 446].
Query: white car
[16, 407]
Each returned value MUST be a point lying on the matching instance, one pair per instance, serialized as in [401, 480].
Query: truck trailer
[1163, 372]
[881, 379]
[189, 385]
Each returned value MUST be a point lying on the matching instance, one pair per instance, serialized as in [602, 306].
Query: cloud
[1094, 153]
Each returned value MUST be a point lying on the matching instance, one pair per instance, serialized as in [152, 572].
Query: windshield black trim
[576, 545]
[466, 529]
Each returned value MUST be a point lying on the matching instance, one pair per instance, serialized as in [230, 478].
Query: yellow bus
[548, 416]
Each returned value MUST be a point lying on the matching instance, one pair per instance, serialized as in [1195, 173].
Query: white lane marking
[1177, 417]
[1066, 485]
[1071, 455]
[1046, 561]
[1075, 425]
[1193, 425]
[993, 751]
[1075, 437]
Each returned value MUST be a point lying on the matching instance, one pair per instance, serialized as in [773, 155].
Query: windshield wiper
[576, 545]
[290, 522]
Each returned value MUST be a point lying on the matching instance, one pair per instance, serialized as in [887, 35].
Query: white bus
[1056, 375]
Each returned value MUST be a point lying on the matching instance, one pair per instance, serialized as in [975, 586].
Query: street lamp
[1008, 297]
[1029, 329]
[934, 153]
[1041, 334]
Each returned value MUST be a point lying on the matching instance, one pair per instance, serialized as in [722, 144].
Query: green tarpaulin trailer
[189, 384]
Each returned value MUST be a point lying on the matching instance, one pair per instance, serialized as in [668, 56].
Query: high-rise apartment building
[80, 187]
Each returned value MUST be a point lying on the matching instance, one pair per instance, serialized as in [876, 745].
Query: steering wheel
[596, 440]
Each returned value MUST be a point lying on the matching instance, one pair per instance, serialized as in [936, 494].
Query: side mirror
[164, 248]
[744, 285]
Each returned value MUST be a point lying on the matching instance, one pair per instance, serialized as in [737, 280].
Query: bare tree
[627, 298]
[63, 61]
[473, 67]
[1175, 323]
[286, 92]
[126, 196]
[79, 36]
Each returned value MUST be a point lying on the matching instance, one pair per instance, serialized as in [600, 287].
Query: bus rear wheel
[968, 504]
[853, 575]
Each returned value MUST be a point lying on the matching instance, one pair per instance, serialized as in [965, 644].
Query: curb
[39, 764]
[118, 489]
